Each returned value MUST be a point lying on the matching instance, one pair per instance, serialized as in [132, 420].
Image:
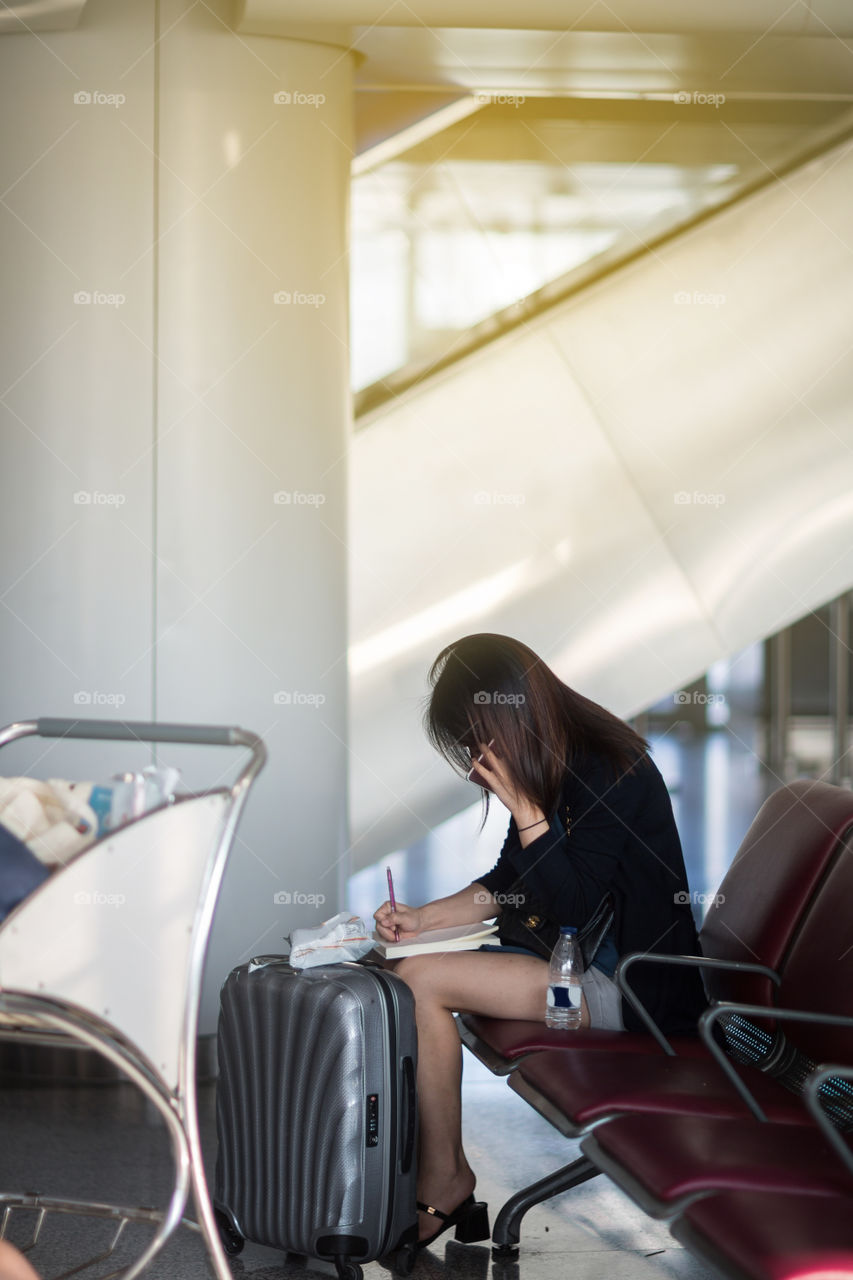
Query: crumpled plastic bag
[344, 937]
[51, 818]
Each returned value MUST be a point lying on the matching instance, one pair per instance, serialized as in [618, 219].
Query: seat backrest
[818, 970]
[796, 837]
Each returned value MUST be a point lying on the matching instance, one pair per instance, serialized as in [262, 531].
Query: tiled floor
[105, 1142]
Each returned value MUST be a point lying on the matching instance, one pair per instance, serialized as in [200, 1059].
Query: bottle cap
[568, 929]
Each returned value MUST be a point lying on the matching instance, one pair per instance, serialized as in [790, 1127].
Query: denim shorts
[602, 994]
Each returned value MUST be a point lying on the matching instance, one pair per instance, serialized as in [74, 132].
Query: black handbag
[528, 924]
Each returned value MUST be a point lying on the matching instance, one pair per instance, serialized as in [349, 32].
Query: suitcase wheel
[348, 1270]
[232, 1241]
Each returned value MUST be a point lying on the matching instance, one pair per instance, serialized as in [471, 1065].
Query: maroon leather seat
[501, 1043]
[784, 854]
[664, 1162]
[760, 1236]
[584, 1088]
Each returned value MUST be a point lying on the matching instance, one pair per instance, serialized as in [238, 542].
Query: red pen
[392, 900]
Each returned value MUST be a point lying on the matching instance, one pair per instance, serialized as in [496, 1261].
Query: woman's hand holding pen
[406, 919]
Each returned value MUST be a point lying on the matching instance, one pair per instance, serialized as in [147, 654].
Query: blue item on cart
[20, 871]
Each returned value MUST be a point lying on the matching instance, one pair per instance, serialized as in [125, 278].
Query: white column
[197, 399]
[253, 423]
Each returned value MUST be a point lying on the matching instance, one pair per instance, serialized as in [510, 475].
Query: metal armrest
[811, 1092]
[717, 1011]
[697, 962]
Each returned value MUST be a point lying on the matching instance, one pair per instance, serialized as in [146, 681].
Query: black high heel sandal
[471, 1220]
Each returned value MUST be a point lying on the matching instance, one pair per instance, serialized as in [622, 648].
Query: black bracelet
[532, 825]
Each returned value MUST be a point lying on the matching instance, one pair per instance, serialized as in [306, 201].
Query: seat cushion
[762, 1236]
[674, 1157]
[513, 1039]
[587, 1087]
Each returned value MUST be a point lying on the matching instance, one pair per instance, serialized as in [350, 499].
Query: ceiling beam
[758, 17]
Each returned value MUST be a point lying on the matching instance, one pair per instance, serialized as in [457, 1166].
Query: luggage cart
[131, 994]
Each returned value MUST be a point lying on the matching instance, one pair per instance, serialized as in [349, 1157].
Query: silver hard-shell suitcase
[316, 1112]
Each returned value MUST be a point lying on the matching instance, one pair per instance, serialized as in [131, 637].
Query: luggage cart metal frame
[36, 1005]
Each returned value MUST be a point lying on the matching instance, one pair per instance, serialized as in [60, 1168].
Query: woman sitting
[590, 816]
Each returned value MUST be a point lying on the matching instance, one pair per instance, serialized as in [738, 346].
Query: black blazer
[621, 838]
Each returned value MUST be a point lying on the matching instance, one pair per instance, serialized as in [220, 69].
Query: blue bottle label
[560, 997]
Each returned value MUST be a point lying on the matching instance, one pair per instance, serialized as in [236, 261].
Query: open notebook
[462, 937]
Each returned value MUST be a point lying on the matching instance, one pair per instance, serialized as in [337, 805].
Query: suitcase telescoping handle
[410, 1097]
[213, 735]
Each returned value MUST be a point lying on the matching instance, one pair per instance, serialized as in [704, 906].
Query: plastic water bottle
[564, 983]
[130, 795]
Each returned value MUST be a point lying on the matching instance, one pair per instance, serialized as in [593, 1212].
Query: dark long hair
[490, 686]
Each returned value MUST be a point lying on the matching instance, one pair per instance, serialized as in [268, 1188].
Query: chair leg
[507, 1229]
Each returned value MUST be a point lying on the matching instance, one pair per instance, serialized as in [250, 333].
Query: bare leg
[510, 986]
